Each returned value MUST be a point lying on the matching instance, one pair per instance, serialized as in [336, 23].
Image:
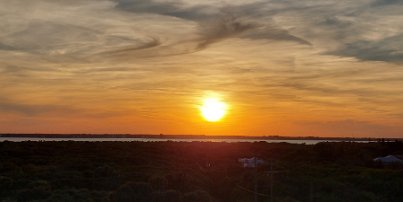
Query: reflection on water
[21, 139]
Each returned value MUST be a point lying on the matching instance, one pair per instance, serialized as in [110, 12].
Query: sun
[213, 109]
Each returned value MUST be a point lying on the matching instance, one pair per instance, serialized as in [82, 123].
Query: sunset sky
[283, 67]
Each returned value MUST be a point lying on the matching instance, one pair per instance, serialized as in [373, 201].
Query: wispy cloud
[8, 106]
[150, 59]
[354, 128]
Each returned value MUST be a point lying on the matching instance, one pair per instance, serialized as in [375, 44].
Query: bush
[197, 196]
[133, 191]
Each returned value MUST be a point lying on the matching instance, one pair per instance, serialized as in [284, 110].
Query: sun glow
[213, 109]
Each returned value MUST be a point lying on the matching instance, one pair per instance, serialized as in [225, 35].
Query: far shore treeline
[168, 136]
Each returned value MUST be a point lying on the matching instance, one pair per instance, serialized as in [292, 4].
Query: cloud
[32, 109]
[215, 23]
[336, 29]
[388, 50]
[170, 8]
[59, 31]
[355, 128]
[228, 25]
[58, 36]
[386, 2]
[135, 47]
[360, 29]
[50, 38]
[5, 47]
[107, 56]
[274, 33]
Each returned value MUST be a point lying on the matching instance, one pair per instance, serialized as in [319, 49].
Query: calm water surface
[21, 139]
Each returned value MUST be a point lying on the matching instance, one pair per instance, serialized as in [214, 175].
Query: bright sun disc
[213, 109]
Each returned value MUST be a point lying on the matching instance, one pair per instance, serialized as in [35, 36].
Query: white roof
[389, 159]
[251, 162]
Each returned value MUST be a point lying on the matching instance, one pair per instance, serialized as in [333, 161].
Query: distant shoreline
[161, 136]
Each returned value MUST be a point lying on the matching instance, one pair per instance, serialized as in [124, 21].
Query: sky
[284, 67]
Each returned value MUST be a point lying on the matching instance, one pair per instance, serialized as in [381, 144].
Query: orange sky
[292, 68]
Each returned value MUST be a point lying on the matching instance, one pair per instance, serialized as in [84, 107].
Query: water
[229, 140]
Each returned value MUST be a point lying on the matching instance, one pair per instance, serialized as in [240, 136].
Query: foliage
[196, 171]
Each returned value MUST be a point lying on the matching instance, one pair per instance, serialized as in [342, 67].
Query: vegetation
[196, 171]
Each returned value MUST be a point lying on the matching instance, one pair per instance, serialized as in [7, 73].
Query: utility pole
[271, 181]
[311, 191]
[256, 196]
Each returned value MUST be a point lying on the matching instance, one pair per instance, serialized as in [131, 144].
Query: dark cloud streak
[388, 50]
[31, 109]
[173, 9]
[226, 26]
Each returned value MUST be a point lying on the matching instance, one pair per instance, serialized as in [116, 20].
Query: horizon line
[116, 135]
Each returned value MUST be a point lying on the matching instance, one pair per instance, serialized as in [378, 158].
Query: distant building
[389, 160]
